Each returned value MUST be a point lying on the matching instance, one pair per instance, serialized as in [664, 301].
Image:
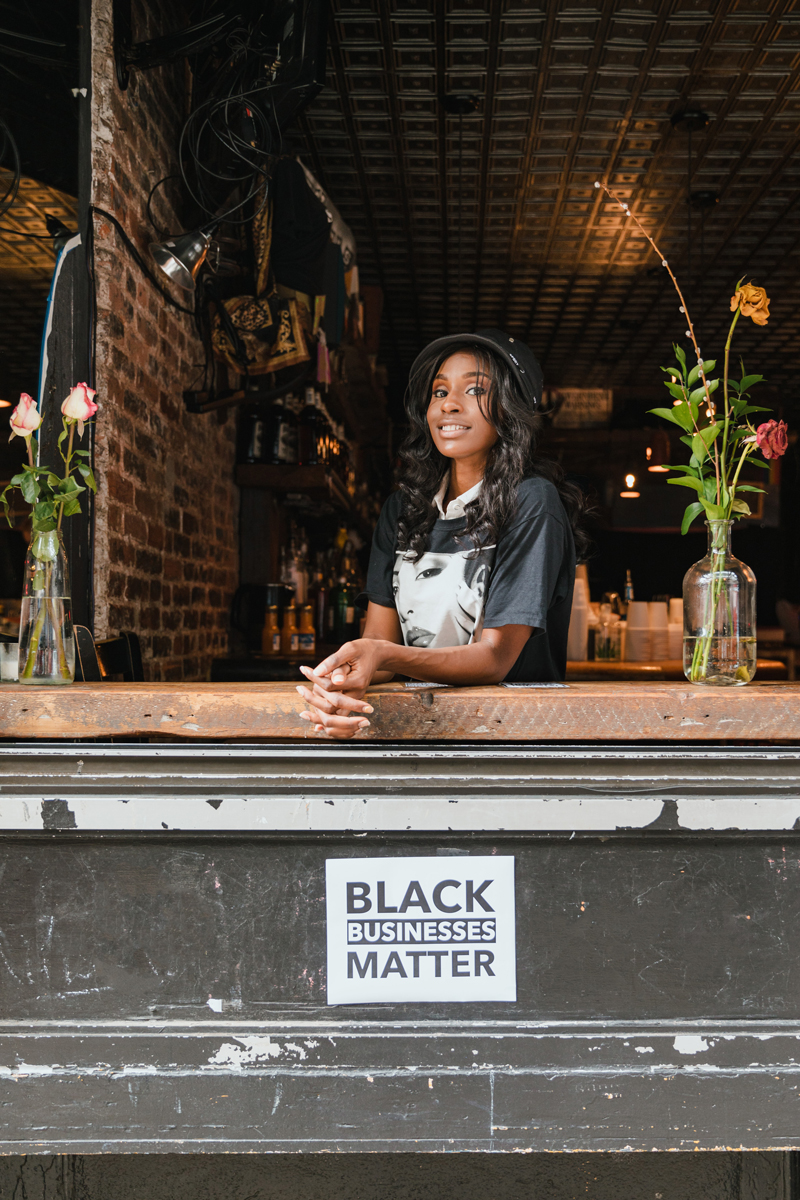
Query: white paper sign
[410, 929]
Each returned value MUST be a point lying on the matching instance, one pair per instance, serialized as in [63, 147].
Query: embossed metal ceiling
[512, 232]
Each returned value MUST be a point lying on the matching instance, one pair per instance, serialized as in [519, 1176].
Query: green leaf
[758, 462]
[741, 506]
[71, 507]
[702, 440]
[749, 381]
[689, 481]
[29, 488]
[705, 367]
[715, 512]
[698, 395]
[679, 354]
[749, 408]
[710, 490]
[692, 511]
[675, 390]
[671, 414]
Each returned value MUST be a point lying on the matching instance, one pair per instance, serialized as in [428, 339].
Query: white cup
[638, 615]
[676, 612]
[637, 644]
[9, 662]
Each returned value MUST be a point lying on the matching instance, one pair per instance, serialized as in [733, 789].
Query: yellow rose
[753, 302]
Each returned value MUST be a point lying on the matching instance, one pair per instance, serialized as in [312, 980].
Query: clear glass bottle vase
[719, 615]
[46, 640]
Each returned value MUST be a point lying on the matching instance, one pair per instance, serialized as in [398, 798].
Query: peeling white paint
[690, 1043]
[644, 1049]
[252, 1050]
[214, 1005]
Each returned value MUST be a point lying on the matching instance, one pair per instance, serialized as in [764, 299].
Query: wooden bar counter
[591, 712]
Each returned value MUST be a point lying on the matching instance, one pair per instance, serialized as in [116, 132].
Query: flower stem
[66, 475]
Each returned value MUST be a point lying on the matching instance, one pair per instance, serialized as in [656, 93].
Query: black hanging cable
[136, 256]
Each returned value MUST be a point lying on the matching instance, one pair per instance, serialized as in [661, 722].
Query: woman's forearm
[483, 662]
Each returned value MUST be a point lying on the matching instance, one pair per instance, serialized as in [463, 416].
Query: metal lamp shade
[182, 257]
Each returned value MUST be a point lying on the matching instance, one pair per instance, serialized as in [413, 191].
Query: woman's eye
[476, 390]
[430, 573]
[439, 394]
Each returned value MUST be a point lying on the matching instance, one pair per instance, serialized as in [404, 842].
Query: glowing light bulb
[630, 485]
[630, 480]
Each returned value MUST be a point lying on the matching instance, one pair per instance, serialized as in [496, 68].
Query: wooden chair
[119, 657]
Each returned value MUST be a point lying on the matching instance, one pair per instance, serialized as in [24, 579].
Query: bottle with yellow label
[271, 633]
[306, 635]
[289, 632]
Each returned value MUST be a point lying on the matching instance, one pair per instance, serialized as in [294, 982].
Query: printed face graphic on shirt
[440, 598]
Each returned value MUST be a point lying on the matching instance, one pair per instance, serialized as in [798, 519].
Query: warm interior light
[630, 484]
[649, 453]
[5, 404]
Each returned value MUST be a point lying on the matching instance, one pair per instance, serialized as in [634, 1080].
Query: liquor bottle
[319, 591]
[289, 632]
[271, 633]
[295, 576]
[628, 593]
[343, 609]
[306, 636]
[308, 431]
[279, 434]
[292, 406]
[253, 440]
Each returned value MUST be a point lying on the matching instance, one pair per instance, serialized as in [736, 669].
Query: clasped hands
[337, 686]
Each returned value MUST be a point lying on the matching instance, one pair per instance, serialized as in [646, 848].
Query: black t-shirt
[447, 598]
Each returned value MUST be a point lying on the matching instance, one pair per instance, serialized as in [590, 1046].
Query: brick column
[166, 536]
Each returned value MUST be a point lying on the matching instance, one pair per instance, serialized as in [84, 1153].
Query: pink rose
[772, 439]
[25, 418]
[79, 404]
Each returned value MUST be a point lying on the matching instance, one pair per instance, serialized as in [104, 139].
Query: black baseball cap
[519, 357]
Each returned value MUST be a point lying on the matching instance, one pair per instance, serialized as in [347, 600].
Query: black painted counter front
[163, 948]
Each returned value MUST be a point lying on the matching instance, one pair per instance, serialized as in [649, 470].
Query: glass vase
[46, 641]
[719, 615]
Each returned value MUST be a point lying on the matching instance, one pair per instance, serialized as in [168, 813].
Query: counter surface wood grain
[253, 711]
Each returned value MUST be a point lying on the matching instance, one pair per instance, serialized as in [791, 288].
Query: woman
[473, 560]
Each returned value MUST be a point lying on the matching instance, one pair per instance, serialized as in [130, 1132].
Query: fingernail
[304, 716]
[368, 708]
[363, 724]
[318, 728]
[299, 688]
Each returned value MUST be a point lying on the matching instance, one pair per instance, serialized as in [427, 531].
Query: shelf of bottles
[320, 606]
[296, 446]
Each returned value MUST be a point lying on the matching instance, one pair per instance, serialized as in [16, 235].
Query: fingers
[334, 726]
[333, 702]
[340, 660]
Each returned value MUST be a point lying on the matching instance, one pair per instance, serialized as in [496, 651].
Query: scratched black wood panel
[648, 927]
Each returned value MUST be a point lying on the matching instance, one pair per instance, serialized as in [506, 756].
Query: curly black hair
[512, 459]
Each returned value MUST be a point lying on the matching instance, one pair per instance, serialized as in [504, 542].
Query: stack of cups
[676, 629]
[578, 637]
[637, 637]
[659, 630]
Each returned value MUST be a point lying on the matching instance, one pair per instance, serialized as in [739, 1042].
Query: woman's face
[458, 427]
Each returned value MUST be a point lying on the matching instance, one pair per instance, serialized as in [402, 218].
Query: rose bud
[772, 439]
[79, 405]
[753, 302]
[25, 418]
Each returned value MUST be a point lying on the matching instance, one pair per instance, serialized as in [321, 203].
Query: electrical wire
[137, 258]
[7, 201]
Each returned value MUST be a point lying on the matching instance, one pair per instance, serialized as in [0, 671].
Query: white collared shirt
[456, 508]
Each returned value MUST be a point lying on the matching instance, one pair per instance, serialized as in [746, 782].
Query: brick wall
[167, 508]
